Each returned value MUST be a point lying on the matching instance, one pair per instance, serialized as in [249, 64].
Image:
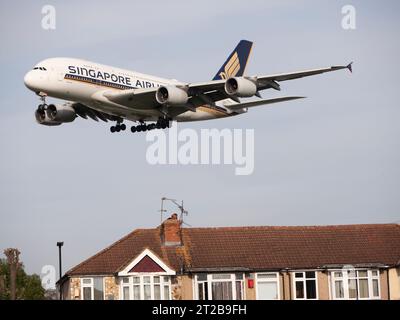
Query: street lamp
[59, 245]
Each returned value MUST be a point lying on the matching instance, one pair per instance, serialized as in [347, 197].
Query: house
[172, 262]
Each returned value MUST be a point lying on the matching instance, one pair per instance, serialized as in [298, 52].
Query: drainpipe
[388, 282]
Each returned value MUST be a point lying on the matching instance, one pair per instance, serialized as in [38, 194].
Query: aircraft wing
[267, 81]
[206, 92]
[238, 106]
[85, 112]
[134, 98]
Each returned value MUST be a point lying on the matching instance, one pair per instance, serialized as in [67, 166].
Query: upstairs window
[146, 287]
[219, 286]
[267, 286]
[92, 288]
[305, 285]
[355, 284]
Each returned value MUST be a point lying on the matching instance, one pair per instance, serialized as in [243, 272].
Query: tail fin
[236, 63]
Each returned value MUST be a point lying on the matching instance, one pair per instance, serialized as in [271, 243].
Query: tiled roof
[255, 248]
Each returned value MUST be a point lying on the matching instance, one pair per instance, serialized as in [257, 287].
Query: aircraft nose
[29, 80]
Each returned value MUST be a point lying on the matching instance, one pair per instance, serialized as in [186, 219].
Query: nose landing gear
[43, 106]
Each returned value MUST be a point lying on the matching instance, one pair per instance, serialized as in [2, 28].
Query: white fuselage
[80, 81]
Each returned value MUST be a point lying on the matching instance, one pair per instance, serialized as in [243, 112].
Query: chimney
[171, 231]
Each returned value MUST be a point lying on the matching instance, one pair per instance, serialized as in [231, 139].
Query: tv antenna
[182, 210]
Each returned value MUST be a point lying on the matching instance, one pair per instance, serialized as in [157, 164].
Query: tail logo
[231, 68]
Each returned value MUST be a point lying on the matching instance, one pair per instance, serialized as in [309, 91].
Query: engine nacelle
[171, 95]
[42, 118]
[240, 87]
[61, 113]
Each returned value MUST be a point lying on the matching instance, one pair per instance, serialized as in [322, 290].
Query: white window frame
[125, 273]
[91, 286]
[276, 281]
[345, 278]
[232, 279]
[146, 252]
[141, 276]
[304, 279]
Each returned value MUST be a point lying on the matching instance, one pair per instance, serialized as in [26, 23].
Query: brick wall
[171, 231]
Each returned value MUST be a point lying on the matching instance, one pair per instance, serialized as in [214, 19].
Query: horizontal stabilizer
[260, 102]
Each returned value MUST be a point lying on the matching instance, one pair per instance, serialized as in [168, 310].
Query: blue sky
[329, 159]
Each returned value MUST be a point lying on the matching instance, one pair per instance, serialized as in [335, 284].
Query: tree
[27, 287]
[13, 263]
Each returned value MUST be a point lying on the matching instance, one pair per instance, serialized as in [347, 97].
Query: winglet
[350, 67]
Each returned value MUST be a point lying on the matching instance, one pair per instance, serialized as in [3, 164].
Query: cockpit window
[40, 68]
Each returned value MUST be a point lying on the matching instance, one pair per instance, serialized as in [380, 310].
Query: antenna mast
[162, 209]
[182, 210]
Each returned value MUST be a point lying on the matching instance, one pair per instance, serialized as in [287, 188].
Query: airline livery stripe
[235, 71]
[97, 82]
[207, 108]
[233, 66]
[232, 60]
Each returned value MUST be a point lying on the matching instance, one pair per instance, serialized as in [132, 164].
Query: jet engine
[60, 113]
[42, 118]
[171, 95]
[240, 87]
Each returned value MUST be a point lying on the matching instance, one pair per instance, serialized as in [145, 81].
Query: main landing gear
[160, 124]
[118, 127]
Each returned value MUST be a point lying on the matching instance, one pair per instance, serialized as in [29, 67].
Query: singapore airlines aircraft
[111, 94]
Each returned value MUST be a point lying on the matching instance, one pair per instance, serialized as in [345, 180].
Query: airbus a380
[97, 91]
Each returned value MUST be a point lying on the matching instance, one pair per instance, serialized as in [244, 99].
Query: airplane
[97, 91]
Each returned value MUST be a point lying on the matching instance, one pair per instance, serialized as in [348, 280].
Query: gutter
[221, 269]
[62, 280]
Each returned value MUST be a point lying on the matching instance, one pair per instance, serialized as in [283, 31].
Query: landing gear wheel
[133, 129]
[162, 123]
[112, 129]
[123, 127]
